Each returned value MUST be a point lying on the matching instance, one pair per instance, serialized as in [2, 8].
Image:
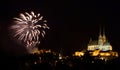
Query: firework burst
[28, 27]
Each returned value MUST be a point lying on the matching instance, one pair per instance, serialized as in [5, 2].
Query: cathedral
[100, 49]
[101, 44]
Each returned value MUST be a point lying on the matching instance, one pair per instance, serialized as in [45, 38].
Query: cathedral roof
[95, 42]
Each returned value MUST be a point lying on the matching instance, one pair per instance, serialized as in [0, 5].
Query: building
[101, 44]
[101, 48]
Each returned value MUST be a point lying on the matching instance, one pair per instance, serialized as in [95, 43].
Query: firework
[28, 28]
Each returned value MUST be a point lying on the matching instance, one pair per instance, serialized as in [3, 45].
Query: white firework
[28, 27]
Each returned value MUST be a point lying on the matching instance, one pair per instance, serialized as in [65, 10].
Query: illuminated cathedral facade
[101, 44]
[100, 49]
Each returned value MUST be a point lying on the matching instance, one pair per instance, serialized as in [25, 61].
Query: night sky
[71, 23]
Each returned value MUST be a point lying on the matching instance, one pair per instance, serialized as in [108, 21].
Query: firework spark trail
[27, 30]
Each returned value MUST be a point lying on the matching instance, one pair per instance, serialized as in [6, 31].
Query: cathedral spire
[103, 31]
[100, 35]
[90, 40]
[104, 37]
[100, 40]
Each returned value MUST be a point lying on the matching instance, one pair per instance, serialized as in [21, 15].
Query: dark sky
[72, 23]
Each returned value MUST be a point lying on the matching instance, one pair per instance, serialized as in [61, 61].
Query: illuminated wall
[100, 47]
